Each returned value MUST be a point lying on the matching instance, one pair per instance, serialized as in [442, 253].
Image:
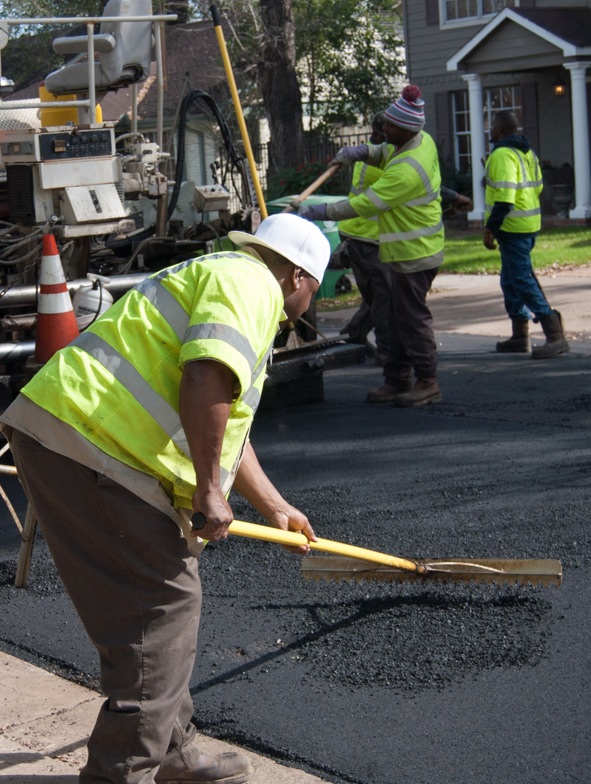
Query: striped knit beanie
[408, 112]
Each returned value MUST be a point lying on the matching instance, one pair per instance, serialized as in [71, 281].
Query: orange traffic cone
[56, 323]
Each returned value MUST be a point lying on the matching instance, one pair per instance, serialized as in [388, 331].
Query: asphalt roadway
[395, 683]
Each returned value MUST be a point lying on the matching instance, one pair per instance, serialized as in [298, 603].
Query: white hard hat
[296, 239]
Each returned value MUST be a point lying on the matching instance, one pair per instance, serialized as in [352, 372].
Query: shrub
[291, 181]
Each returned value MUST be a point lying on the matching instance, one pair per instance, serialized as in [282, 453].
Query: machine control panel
[17, 148]
[76, 144]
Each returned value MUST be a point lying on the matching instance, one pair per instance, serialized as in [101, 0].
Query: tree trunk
[279, 84]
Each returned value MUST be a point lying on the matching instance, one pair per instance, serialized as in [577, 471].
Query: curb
[46, 721]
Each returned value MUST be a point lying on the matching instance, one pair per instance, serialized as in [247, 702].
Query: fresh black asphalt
[394, 683]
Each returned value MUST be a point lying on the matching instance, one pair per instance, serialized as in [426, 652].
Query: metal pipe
[16, 353]
[27, 295]
[87, 19]
[162, 206]
[134, 107]
[160, 83]
[91, 75]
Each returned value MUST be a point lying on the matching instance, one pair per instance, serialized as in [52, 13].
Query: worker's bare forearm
[204, 404]
[205, 398]
[253, 484]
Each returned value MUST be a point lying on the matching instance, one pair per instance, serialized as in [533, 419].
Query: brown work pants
[412, 341]
[137, 591]
[374, 283]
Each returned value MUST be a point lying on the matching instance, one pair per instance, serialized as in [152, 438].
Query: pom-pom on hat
[408, 111]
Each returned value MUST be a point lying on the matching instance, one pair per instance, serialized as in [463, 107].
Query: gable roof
[566, 29]
[191, 48]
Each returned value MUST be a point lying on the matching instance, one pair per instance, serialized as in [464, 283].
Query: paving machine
[68, 172]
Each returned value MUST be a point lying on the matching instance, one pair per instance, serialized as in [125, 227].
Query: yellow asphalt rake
[348, 562]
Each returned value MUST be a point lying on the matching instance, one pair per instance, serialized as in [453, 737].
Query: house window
[472, 10]
[461, 127]
[495, 99]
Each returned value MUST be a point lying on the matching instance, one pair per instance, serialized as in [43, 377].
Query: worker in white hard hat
[123, 437]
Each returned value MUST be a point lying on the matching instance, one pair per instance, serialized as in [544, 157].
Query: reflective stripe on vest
[525, 213]
[364, 229]
[402, 236]
[108, 368]
[357, 188]
[410, 230]
[525, 183]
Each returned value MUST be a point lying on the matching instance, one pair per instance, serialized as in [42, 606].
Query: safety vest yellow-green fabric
[515, 177]
[118, 383]
[364, 175]
[408, 203]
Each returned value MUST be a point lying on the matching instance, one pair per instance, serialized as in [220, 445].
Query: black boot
[555, 343]
[518, 343]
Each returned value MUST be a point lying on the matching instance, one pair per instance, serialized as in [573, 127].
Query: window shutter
[529, 101]
[443, 125]
[432, 11]
[527, 3]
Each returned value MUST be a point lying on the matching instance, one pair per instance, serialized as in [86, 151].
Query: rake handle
[311, 188]
[267, 534]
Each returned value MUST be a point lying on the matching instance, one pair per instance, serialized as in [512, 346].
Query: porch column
[581, 163]
[476, 143]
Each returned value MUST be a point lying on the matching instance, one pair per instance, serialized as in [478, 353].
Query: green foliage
[349, 53]
[50, 8]
[350, 57]
[290, 181]
[29, 56]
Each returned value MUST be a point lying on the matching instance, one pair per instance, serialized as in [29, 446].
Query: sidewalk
[45, 722]
[473, 305]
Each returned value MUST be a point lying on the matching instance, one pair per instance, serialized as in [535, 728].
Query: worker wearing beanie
[513, 219]
[140, 422]
[407, 201]
[371, 276]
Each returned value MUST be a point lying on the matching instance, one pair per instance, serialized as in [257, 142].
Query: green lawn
[555, 248]
[465, 254]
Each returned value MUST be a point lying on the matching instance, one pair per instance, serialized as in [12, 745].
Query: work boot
[518, 343]
[190, 766]
[425, 391]
[388, 393]
[555, 343]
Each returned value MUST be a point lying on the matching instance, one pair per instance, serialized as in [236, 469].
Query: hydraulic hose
[238, 108]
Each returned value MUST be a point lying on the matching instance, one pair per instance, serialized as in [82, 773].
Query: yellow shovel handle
[238, 109]
[267, 534]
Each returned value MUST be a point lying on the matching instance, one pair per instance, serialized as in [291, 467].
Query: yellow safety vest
[363, 229]
[408, 203]
[118, 383]
[515, 177]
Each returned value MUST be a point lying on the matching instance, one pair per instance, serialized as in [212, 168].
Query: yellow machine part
[61, 114]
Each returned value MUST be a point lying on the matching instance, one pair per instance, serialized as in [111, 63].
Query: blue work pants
[521, 289]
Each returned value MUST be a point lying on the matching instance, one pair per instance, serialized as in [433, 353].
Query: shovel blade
[502, 571]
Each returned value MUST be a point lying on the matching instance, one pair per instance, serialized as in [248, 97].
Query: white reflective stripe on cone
[55, 303]
[51, 271]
